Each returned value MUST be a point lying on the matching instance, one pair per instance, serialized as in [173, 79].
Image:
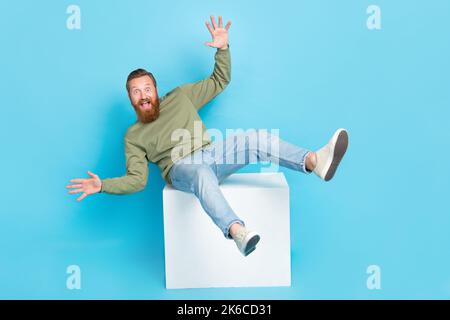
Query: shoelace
[240, 236]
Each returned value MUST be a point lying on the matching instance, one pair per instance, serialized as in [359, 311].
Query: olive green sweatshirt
[176, 133]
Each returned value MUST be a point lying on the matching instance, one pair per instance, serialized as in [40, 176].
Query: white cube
[197, 255]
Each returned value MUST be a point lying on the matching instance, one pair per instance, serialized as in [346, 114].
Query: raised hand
[218, 33]
[87, 186]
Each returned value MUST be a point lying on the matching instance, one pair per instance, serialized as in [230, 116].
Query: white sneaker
[246, 240]
[329, 156]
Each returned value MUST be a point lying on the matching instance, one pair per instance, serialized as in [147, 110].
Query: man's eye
[147, 90]
[136, 91]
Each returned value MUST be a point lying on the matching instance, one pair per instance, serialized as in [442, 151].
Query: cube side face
[197, 255]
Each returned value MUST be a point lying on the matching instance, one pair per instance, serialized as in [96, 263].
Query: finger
[209, 28]
[82, 197]
[76, 191]
[220, 22]
[213, 22]
[77, 180]
[228, 25]
[74, 186]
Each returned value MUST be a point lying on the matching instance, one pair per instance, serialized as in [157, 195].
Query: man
[196, 164]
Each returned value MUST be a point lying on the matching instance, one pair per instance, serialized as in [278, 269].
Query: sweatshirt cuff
[226, 49]
[104, 188]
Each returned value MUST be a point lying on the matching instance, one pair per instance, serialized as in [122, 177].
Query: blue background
[304, 67]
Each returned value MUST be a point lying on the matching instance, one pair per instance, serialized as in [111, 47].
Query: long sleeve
[201, 92]
[136, 176]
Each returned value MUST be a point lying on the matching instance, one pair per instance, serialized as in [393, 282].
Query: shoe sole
[247, 253]
[251, 244]
[340, 148]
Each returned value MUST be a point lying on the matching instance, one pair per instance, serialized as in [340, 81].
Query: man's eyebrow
[146, 84]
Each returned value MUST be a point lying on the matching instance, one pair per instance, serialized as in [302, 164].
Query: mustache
[148, 100]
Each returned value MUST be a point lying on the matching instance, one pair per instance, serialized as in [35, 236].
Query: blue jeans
[202, 171]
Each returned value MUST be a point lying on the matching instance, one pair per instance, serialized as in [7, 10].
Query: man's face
[144, 98]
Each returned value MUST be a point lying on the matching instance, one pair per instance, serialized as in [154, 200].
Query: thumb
[209, 44]
[92, 174]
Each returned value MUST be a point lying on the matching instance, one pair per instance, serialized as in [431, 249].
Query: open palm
[87, 186]
[219, 33]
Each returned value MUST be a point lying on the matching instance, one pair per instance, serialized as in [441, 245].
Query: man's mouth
[146, 105]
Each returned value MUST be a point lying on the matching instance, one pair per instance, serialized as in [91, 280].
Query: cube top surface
[251, 180]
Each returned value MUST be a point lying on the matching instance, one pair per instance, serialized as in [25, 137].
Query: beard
[147, 115]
